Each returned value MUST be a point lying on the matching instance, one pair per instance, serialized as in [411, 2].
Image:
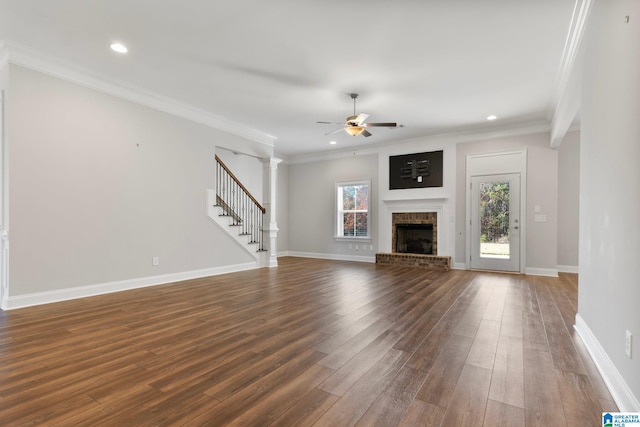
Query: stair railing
[238, 204]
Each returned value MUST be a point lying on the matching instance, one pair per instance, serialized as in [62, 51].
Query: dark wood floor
[311, 342]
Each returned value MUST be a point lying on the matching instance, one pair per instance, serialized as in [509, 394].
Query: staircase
[238, 213]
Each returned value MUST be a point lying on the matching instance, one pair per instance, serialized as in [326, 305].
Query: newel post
[270, 227]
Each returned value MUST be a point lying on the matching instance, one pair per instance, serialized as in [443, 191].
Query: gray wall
[542, 190]
[609, 287]
[568, 201]
[248, 169]
[312, 204]
[4, 158]
[282, 207]
[99, 186]
[4, 84]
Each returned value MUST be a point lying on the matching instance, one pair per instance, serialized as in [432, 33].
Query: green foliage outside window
[494, 212]
[353, 210]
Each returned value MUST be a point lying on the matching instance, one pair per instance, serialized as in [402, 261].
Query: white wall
[568, 202]
[100, 185]
[312, 205]
[609, 286]
[542, 190]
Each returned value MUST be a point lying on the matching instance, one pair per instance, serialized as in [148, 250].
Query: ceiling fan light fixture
[118, 47]
[355, 125]
[354, 130]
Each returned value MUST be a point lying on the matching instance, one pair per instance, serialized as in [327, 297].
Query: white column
[270, 226]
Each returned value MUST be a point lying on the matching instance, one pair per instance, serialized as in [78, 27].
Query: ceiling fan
[355, 125]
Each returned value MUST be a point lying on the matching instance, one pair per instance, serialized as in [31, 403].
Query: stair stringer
[224, 222]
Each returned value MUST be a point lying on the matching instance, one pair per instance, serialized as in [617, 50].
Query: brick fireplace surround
[430, 262]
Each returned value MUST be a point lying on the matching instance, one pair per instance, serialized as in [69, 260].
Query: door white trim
[498, 163]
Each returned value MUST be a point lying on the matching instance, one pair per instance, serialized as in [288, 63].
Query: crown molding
[566, 102]
[4, 54]
[460, 137]
[16, 54]
[572, 45]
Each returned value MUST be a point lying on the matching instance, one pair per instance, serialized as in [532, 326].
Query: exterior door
[495, 222]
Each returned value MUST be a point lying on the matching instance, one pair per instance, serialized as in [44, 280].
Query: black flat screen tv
[419, 170]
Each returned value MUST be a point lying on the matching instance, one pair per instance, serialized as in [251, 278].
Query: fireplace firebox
[414, 239]
[414, 233]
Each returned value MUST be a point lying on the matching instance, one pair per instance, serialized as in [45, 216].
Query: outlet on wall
[627, 344]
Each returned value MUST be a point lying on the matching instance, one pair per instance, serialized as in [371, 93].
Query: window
[353, 209]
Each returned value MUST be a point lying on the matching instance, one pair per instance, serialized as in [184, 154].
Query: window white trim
[338, 232]
[362, 239]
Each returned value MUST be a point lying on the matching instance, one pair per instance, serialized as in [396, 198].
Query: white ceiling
[279, 66]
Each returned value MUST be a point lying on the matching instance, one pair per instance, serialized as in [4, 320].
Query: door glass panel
[494, 219]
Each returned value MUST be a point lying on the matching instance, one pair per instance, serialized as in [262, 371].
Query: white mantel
[391, 206]
[414, 205]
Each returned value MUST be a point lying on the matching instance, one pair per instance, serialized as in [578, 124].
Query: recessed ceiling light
[492, 117]
[119, 47]
[333, 142]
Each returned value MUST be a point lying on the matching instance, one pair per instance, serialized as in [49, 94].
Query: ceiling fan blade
[361, 118]
[330, 123]
[384, 125]
[335, 131]
[355, 125]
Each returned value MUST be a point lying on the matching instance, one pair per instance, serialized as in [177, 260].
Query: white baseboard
[336, 257]
[549, 272]
[28, 300]
[459, 266]
[568, 269]
[620, 391]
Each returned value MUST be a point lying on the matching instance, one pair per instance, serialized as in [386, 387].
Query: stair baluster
[238, 203]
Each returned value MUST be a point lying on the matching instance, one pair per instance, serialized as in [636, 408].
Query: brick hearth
[429, 262]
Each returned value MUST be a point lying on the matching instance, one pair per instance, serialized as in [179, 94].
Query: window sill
[352, 239]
